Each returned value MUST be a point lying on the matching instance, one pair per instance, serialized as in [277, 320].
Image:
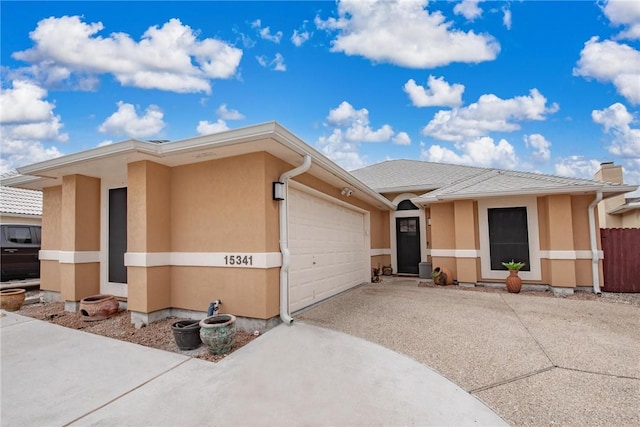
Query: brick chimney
[609, 172]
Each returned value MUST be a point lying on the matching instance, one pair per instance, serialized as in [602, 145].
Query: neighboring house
[617, 211]
[20, 206]
[261, 220]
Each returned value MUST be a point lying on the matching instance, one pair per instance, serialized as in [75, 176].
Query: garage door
[329, 248]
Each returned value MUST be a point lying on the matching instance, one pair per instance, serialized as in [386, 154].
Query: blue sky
[543, 86]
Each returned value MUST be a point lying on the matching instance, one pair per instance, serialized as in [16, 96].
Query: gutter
[284, 239]
[595, 273]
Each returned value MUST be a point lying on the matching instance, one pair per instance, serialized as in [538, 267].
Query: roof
[455, 182]
[630, 204]
[18, 201]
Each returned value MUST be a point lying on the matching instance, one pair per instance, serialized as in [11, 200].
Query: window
[19, 235]
[406, 205]
[508, 236]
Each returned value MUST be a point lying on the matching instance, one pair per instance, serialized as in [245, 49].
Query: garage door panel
[329, 249]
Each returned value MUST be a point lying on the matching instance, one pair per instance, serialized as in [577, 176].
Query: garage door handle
[11, 250]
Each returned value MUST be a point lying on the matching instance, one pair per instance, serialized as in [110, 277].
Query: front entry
[408, 244]
[117, 235]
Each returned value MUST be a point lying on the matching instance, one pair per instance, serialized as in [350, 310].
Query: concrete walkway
[291, 376]
[535, 360]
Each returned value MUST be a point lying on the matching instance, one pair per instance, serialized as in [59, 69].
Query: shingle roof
[393, 175]
[459, 182]
[20, 201]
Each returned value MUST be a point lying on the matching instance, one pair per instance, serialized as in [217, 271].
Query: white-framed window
[508, 229]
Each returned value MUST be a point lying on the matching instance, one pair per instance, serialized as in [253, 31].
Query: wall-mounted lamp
[346, 191]
[278, 190]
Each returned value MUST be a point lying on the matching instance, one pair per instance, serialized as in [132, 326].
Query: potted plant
[514, 282]
[442, 276]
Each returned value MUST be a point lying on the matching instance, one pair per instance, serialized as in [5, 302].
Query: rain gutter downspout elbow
[284, 239]
[595, 271]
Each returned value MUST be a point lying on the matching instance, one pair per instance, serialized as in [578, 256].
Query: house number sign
[238, 260]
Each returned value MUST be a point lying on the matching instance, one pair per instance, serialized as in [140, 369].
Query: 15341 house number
[238, 260]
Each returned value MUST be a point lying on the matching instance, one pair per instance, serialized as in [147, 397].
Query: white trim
[531, 204]
[202, 259]
[301, 187]
[378, 252]
[571, 255]
[106, 287]
[454, 253]
[70, 257]
[422, 223]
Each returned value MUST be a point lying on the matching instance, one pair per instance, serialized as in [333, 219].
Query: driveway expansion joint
[604, 374]
[511, 380]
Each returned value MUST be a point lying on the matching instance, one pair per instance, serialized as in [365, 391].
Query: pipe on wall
[284, 239]
[595, 273]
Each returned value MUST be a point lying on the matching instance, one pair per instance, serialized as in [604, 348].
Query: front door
[408, 244]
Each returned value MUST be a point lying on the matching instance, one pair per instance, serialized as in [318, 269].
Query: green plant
[512, 265]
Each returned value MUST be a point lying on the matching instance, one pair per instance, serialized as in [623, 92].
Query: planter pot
[98, 307]
[12, 299]
[442, 276]
[217, 332]
[187, 334]
[514, 282]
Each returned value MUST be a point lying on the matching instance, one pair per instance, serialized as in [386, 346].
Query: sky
[540, 86]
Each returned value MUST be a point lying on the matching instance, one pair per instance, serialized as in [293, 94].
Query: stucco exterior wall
[51, 229]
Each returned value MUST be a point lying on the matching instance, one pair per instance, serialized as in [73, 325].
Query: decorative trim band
[569, 255]
[454, 253]
[378, 252]
[204, 259]
[70, 257]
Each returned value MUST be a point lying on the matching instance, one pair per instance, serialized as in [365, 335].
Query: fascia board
[625, 208]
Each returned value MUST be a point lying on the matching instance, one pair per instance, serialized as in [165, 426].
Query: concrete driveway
[534, 360]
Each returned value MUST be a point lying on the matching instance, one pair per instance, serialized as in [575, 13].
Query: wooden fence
[621, 247]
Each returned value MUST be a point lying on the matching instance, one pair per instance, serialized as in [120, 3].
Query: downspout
[595, 272]
[284, 240]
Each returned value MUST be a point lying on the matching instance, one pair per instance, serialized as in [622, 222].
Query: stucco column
[560, 237]
[466, 241]
[79, 238]
[148, 232]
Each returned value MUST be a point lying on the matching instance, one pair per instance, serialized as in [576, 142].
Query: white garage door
[329, 248]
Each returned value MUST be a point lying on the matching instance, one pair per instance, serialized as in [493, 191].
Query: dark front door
[408, 244]
[117, 234]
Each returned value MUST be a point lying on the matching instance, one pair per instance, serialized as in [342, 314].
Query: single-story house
[263, 221]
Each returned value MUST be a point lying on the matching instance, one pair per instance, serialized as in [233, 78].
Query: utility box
[425, 269]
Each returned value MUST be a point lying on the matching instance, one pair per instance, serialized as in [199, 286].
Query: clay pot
[217, 332]
[187, 334]
[98, 307]
[12, 299]
[514, 282]
[442, 276]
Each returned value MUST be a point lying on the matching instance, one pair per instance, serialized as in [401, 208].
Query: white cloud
[163, 58]
[206, 128]
[469, 9]
[350, 128]
[439, 93]
[489, 114]
[26, 121]
[126, 121]
[225, 114]
[262, 60]
[506, 17]
[541, 147]
[276, 64]
[298, 38]
[483, 152]
[624, 13]
[577, 167]
[404, 33]
[609, 61]
[616, 121]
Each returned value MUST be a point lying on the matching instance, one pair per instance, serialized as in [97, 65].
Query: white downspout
[595, 272]
[284, 240]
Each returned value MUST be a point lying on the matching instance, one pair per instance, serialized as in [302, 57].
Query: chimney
[609, 172]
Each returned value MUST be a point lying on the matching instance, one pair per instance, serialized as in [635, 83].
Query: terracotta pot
[217, 332]
[514, 282]
[98, 307]
[12, 299]
[442, 276]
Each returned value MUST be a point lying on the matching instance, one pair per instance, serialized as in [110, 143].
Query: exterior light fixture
[278, 190]
[346, 191]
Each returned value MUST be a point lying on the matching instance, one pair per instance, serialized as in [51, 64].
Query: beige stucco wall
[51, 229]
[631, 219]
